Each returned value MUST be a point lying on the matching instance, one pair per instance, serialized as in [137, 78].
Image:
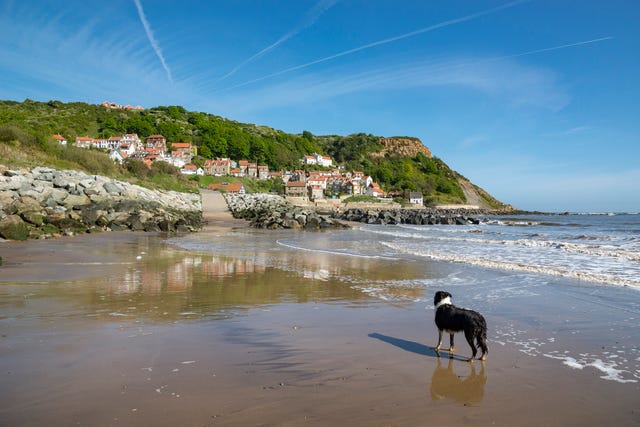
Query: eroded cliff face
[402, 147]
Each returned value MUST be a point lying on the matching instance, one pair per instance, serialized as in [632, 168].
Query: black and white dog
[452, 319]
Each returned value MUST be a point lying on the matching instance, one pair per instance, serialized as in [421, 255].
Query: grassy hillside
[26, 129]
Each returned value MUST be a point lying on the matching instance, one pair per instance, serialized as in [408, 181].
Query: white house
[84, 141]
[61, 139]
[191, 170]
[415, 197]
[309, 160]
[133, 141]
[323, 160]
[117, 156]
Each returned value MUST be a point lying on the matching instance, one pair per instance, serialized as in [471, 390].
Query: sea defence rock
[427, 216]
[45, 202]
[272, 212]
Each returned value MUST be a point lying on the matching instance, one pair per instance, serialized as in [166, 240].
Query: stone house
[296, 189]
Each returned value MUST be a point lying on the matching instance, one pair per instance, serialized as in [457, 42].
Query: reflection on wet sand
[179, 274]
[446, 384]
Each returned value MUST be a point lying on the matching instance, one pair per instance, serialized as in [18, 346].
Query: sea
[565, 287]
[591, 248]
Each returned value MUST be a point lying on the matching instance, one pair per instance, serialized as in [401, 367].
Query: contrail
[564, 46]
[382, 42]
[313, 16]
[152, 40]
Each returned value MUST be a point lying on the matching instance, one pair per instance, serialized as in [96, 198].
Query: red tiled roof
[180, 145]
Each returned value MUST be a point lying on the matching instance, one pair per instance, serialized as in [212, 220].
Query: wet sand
[126, 329]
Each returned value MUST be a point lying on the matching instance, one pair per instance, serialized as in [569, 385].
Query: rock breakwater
[427, 216]
[272, 212]
[45, 202]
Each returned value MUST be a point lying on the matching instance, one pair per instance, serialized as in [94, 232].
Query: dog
[452, 319]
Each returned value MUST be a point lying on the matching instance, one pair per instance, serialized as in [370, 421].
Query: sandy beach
[130, 329]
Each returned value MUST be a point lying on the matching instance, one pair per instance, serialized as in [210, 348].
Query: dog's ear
[447, 294]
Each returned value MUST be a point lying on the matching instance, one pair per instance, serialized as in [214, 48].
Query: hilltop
[398, 164]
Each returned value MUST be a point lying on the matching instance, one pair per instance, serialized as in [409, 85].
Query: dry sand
[123, 329]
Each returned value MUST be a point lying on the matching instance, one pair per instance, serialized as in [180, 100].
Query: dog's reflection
[446, 384]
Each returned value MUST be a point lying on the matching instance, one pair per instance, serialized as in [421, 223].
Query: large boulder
[12, 227]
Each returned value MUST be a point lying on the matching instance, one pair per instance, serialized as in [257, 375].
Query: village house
[114, 142]
[118, 156]
[317, 159]
[84, 141]
[60, 139]
[340, 186]
[191, 170]
[415, 197]
[263, 172]
[129, 149]
[317, 192]
[185, 148]
[296, 189]
[286, 176]
[133, 140]
[217, 167]
[375, 191]
[156, 144]
[113, 105]
[298, 176]
[243, 166]
[324, 160]
[319, 181]
[252, 170]
[276, 174]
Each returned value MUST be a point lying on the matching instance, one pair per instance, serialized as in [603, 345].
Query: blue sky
[536, 101]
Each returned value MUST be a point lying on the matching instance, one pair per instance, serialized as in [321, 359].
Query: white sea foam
[515, 266]
[615, 366]
[597, 250]
[610, 369]
[330, 252]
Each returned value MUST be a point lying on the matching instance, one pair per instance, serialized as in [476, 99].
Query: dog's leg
[482, 342]
[468, 334]
[451, 349]
[439, 342]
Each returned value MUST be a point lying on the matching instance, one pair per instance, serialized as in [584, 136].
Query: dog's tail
[482, 338]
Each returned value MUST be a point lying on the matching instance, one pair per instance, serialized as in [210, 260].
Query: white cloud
[515, 84]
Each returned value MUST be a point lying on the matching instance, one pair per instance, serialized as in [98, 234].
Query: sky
[537, 102]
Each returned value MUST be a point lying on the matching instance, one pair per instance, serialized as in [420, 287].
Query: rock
[12, 227]
[76, 200]
[33, 217]
[51, 202]
[112, 188]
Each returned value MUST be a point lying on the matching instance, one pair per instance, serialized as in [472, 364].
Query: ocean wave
[594, 250]
[339, 253]
[517, 266]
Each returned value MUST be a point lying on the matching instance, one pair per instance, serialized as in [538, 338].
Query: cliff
[401, 146]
